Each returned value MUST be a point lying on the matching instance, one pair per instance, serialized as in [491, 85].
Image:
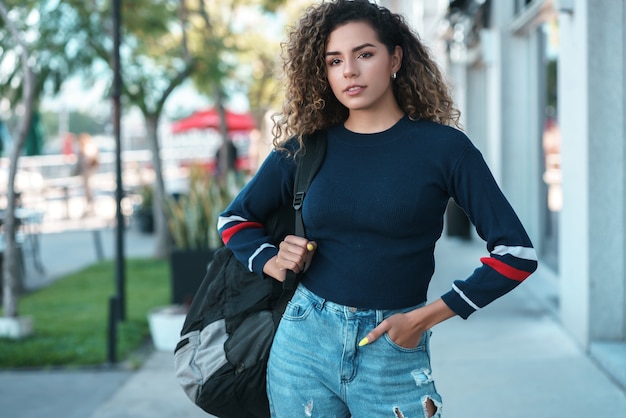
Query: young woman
[354, 340]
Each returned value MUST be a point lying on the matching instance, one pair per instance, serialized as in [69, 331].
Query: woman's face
[359, 68]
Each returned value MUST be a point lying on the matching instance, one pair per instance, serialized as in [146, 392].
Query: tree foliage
[164, 42]
[245, 37]
[56, 37]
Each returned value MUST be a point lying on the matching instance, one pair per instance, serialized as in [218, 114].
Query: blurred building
[541, 87]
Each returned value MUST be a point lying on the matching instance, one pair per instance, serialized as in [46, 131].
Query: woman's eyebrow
[356, 48]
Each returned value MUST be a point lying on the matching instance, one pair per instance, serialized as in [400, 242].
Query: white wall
[591, 111]
[606, 135]
[574, 227]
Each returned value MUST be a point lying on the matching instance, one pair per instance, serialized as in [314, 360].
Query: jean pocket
[421, 346]
[297, 309]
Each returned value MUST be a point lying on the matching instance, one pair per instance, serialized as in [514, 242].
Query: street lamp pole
[119, 191]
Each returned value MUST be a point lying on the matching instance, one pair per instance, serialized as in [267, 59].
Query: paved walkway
[68, 246]
[511, 360]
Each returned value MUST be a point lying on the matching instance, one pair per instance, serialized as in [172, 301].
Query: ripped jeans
[316, 368]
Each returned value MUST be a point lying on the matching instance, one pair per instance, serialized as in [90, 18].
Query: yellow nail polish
[363, 342]
[310, 247]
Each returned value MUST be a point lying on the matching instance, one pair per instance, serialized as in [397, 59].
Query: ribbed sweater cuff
[262, 258]
[457, 304]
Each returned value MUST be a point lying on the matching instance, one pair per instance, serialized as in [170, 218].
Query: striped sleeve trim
[526, 253]
[464, 297]
[227, 234]
[506, 270]
[222, 221]
[239, 224]
[257, 252]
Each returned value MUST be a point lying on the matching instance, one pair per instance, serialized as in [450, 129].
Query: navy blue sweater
[376, 211]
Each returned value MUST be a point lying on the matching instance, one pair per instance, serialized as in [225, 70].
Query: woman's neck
[368, 122]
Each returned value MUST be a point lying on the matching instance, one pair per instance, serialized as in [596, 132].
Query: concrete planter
[165, 324]
[16, 328]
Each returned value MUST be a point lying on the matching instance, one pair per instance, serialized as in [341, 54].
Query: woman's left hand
[400, 329]
[406, 329]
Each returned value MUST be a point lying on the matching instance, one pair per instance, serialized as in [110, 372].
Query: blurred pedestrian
[87, 162]
[354, 339]
[226, 162]
[67, 145]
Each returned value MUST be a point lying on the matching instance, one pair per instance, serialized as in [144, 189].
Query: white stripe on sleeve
[525, 253]
[223, 220]
[464, 297]
[257, 252]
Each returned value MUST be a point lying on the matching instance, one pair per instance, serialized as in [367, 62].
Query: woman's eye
[365, 54]
[333, 62]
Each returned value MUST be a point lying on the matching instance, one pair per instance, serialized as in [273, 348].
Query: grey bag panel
[251, 341]
[203, 355]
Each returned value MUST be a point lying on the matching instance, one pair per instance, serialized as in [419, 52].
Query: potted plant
[142, 214]
[192, 221]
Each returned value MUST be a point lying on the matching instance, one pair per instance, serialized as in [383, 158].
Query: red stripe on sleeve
[505, 270]
[227, 234]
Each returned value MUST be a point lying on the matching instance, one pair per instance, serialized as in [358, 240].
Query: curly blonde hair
[310, 104]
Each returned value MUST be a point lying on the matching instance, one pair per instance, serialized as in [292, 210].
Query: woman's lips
[354, 90]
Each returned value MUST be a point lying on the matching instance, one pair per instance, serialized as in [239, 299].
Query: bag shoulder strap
[308, 166]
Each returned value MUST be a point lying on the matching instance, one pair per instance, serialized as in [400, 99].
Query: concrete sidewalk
[513, 359]
[91, 392]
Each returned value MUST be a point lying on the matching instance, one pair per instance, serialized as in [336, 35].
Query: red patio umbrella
[209, 119]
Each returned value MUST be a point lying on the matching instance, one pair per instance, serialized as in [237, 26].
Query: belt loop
[379, 316]
[320, 303]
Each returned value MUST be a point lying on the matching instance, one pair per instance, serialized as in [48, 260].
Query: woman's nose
[349, 68]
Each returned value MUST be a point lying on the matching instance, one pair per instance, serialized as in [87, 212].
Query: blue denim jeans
[316, 368]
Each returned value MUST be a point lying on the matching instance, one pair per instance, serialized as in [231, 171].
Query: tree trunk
[10, 266]
[161, 231]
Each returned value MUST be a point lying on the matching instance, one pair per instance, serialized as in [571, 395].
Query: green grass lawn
[71, 316]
